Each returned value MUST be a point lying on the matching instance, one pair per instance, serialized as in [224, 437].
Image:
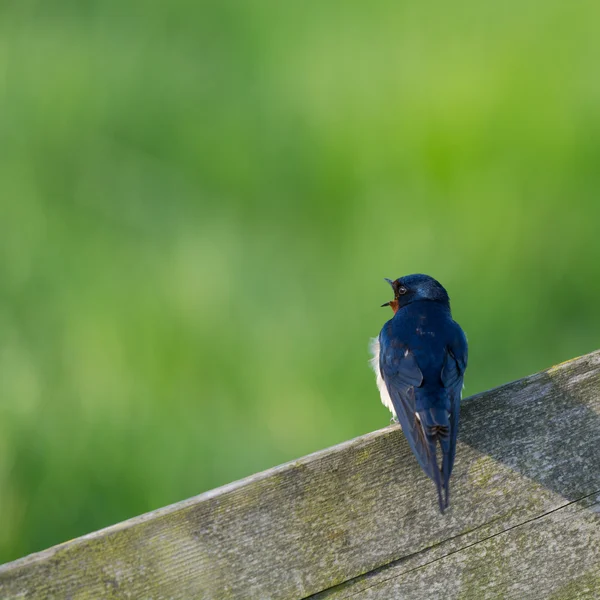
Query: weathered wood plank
[555, 556]
[526, 449]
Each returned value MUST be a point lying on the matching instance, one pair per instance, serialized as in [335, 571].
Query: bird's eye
[402, 290]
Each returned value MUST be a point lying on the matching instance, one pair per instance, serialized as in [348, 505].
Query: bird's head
[412, 288]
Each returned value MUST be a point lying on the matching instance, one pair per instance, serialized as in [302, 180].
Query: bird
[419, 359]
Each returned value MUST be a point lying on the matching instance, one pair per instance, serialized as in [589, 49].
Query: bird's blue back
[427, 329]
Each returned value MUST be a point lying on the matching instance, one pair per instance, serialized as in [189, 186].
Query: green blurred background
[199, 201]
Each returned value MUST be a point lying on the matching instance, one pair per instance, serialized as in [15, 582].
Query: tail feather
[446, 469]
[438, 482]
[436, 425]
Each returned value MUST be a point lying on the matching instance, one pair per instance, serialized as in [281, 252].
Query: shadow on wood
[360, 519]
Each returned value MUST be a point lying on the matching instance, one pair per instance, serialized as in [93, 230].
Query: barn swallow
[419, 360]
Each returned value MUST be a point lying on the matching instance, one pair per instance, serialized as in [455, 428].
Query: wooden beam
[361, 520]
[556, 555]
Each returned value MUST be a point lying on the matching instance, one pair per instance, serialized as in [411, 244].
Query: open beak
[392, 284]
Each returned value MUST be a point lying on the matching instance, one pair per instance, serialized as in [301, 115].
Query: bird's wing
[453, 371]
[402, 375]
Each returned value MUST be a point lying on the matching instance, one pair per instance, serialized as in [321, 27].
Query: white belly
[374, 362]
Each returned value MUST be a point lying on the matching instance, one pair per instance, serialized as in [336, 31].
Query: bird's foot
[394, 421]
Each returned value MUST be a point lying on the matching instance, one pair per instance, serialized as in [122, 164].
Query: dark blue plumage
[422, 361]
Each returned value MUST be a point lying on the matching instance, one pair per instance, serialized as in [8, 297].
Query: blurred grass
[199, 201]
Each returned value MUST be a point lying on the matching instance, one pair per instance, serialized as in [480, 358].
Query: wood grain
[352, 519]
[555, 556]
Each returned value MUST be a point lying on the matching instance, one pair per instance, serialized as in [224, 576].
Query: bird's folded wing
[402, 374]
[455, 363]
